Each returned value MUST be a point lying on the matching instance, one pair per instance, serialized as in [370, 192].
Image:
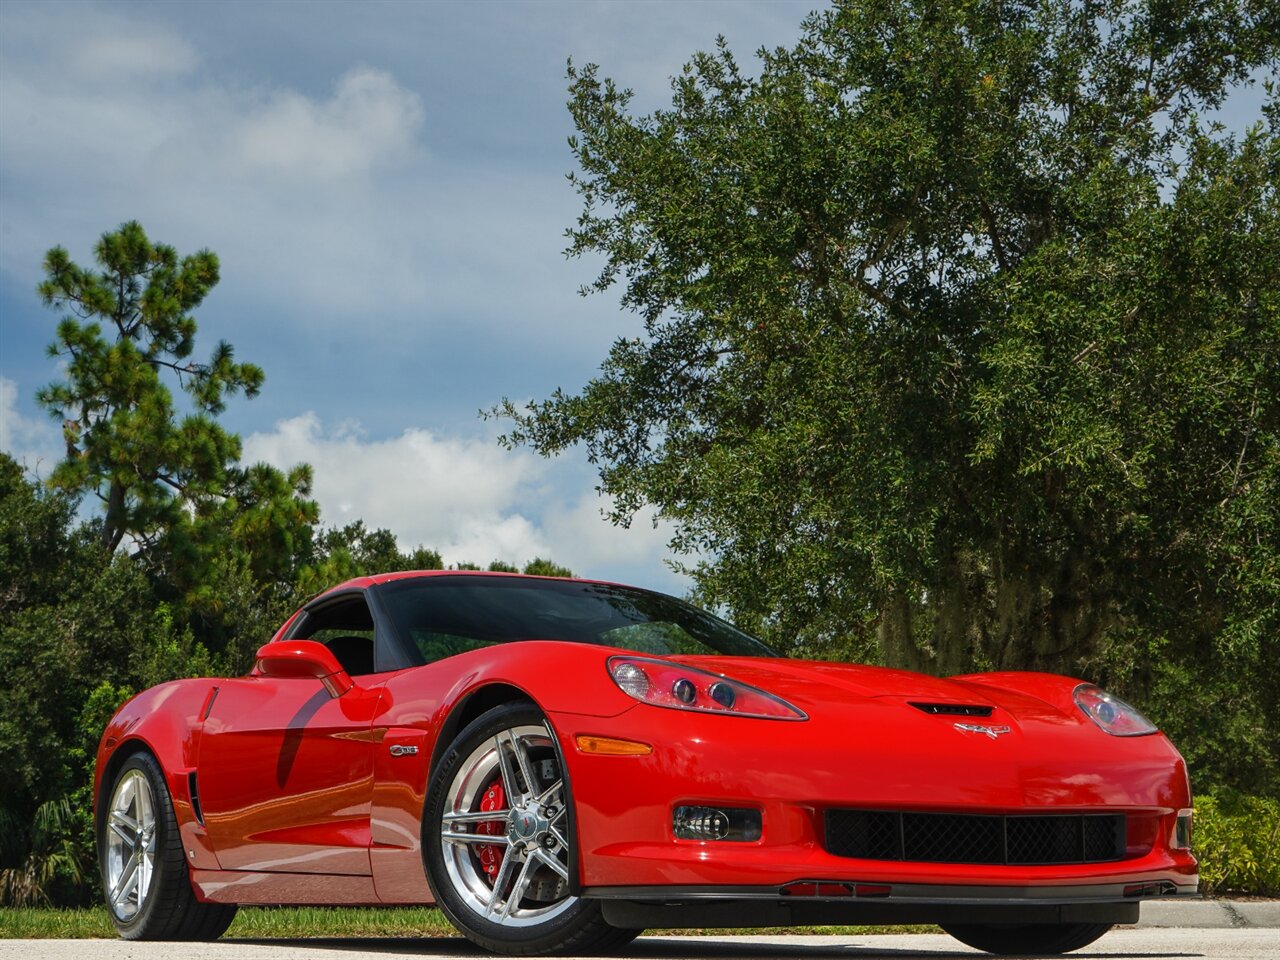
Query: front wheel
[144, 871]
[498, 840]
[1030, 938]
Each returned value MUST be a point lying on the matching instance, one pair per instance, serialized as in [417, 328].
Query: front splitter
[683, 907]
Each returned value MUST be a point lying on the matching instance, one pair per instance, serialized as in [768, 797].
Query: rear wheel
[498, 840]
[144, 871]
[1031, 938]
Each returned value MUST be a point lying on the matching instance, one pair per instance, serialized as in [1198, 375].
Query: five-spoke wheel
[131, 844]
[498, 840]
[503, 831]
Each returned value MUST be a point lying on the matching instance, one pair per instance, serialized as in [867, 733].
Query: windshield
[437, 617]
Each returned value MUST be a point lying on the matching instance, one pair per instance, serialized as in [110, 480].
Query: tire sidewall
[534, 938]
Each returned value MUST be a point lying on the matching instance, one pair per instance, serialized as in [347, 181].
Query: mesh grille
[968, 838]
[877, 833]
[1044, 839]
[951, 839]
[1104, 838]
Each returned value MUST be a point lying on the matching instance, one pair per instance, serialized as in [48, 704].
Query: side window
[346, 627]
[437, 646]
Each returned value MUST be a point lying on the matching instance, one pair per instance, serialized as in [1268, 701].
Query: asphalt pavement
[1148, 943]
[1196, 930]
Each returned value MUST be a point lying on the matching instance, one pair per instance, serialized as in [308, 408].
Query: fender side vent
[194, 792]
[953, 709]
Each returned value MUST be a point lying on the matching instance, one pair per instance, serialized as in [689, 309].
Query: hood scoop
[952, 709]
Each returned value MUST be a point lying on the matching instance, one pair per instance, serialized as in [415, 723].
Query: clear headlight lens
[1111, 713]
[663, 683]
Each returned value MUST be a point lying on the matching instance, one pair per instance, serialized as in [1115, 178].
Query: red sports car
[559, 764]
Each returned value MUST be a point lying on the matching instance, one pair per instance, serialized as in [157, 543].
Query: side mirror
[291, 659]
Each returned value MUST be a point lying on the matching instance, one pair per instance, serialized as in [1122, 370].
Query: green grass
[268, 923]
[251, 923]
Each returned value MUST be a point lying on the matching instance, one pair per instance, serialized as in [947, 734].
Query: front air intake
[975, 838]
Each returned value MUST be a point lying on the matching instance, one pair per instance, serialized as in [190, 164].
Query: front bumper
[794, 772]
[729, 906]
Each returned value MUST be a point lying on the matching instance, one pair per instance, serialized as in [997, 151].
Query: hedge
[1237, 841]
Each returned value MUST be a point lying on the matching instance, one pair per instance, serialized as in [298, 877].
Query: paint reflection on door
[286, 776]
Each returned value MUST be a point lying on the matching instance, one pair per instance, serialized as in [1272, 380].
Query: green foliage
[1236, 838]
[356, 551]
[539, 567]
[123, 440]
[79, 629]
[54, 857]
[71, 617]
[961, 343]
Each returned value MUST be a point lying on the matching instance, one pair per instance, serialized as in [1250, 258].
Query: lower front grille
[975, 838]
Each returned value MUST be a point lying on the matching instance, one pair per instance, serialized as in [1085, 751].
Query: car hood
[817, 686]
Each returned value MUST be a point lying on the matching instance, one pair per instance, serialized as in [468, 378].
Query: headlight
[1111, 713]
[663, 683]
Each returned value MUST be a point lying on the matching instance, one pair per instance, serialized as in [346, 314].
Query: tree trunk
[895, 635]
[113, 524]
[986, 614]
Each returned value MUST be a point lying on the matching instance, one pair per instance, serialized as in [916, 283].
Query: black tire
[1031, 939]
[169, 910]
[574, 925]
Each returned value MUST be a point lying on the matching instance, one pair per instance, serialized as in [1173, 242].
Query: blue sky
[385, 186]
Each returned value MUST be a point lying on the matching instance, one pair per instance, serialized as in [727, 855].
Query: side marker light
[612, 747]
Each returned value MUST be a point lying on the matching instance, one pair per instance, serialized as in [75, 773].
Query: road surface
[1145, 943]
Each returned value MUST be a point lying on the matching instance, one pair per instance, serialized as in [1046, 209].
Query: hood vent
[953, 709]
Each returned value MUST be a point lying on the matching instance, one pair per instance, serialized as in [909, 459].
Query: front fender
[165, 720]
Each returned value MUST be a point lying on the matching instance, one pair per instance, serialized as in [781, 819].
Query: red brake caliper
[495, 798]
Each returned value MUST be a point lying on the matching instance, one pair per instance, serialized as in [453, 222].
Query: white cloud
[466, 497]
[369, 121]
[311, 200]
[33, 443]
[88, 41]
[579, 530]
[449, 494]
[136, 50]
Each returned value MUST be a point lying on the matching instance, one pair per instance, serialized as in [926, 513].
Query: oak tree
[959, 339]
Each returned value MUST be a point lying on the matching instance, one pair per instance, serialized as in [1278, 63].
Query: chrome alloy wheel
[131, 844]
[531, 884]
